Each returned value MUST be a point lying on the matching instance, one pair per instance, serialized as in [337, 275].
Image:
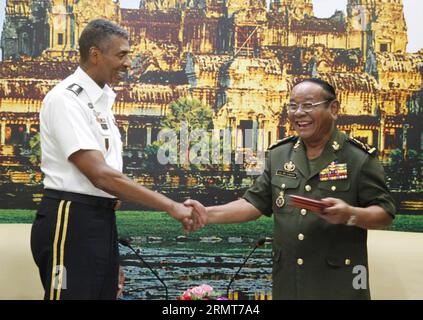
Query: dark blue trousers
[75, 248]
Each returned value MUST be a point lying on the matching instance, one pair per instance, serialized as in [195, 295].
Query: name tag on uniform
[288, 170]
[103, 123]
[334, 171]
[284, 173]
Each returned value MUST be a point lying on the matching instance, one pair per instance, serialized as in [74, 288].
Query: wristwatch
[352, 219]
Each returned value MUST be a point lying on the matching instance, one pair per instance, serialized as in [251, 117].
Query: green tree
[405, 173]
[186, 116]
[149, 161]
[190, 110]
[33, 150]
[413, 155]
[396, 157]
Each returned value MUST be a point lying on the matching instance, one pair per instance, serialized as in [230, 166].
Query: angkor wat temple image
[238, 57]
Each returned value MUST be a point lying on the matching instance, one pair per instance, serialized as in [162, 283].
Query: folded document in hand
[307, 203]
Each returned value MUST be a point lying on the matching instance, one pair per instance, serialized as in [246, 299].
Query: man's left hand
[121, 283]
[337, 212]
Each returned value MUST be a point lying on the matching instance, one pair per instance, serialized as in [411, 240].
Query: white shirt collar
[92, 89]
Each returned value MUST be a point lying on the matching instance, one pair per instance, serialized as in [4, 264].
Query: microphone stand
[259, 243]
[126, 243]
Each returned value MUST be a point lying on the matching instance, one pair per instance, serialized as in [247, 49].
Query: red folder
[307, 203]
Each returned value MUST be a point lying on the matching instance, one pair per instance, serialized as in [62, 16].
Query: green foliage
[413, 155]
[396, 157]
[186, 116]
[35, 145]
[189, 110]
[149, 161]
[136, 223]
[407, 223]
[405, 172]
[32, 150]
[151, 223]
[16, 216]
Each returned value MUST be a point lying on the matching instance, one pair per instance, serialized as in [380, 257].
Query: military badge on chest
[102, 122]
[280, 200]
[288, 170]
[334, 171]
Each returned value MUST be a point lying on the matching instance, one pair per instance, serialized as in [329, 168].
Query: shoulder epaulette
[77, 89]
[364, 146]
[282, 141]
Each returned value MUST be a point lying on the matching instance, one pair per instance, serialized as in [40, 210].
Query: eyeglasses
[306, 107]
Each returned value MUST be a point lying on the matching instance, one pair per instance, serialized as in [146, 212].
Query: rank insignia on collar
[297, 144]
[334, 171]
[364, 146]
[335, 146]
[289, 166]
[282, 141]
[75, 88]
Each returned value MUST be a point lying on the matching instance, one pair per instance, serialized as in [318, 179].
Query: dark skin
[93, 165]
[108, 65]
[121, 283]
[315, 129]
[105, 66]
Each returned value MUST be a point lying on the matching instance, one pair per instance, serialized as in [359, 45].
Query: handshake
[192, 214]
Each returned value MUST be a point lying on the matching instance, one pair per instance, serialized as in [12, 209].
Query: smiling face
[112, 61]
[319, 123]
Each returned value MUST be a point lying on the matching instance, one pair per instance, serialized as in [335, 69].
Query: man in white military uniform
[74, 237]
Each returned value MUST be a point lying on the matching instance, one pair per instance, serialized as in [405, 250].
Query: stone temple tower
[296, 9]
[382, 20]
[67, 19]
[235, 6]
[25, 28]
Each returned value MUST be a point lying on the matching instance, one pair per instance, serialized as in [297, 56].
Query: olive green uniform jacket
[313, 259]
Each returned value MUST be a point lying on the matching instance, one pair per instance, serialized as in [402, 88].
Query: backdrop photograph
[224, 68]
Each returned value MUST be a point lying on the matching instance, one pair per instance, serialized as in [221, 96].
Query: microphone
[259, 243]
[127, 243]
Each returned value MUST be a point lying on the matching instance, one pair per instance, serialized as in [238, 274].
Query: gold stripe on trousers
[58, 270]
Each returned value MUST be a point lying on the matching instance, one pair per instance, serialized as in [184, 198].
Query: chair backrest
[396, 265]
[395, 261]
[19, 277]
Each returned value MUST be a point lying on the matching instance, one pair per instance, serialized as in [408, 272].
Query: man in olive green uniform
[316, 255]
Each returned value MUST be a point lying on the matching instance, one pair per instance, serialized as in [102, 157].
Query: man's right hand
[191, 218]
[199, 215]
